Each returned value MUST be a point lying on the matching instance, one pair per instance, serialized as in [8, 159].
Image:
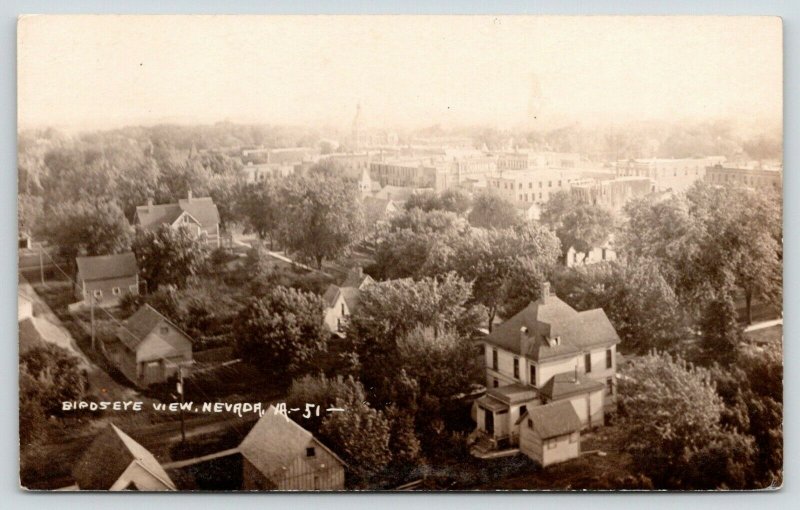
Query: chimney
[149, 203]
[359, 271]
[524, 341]
[189, 195]
[545, 291]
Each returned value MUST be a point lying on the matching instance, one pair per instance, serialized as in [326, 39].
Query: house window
[311, 452]
[530, 185]
[98, 294]
[494, 383]
[516, 368]
[523, 410]
[530, 423]
[116, 291]
[494, 359]
[587, 362]
[610, 386]
[343, 313]
[540, 194]
[533, 375]
[549, 184]
[609, 358]
[338, 324]
[163, 330]
[559, 184]
[540, 184]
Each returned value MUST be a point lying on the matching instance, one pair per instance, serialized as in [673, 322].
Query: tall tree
[506, 267]
[360, 434]
[490, 210]
[323, 218]
[578, 225]
[671, 415]
[86, 228]
[261, 205]
[282, 331]
[168, 256]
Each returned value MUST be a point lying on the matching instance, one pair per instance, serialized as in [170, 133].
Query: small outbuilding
[115, 462]
[106, 279]
[279, 454]
[149, 348]
[551, 433]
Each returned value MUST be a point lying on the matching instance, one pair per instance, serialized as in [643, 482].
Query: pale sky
[105, 71]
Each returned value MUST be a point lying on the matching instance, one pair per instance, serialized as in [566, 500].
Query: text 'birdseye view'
[400, 253]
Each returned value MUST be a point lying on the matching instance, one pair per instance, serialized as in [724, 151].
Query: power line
[123, 326]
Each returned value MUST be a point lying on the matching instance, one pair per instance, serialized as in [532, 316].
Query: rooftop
[105, 267]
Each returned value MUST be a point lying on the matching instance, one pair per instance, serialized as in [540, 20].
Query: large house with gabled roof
[198, 214]
[547, 353]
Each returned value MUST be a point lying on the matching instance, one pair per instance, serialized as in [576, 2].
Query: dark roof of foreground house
[140, 324]
[567, 384]
[549, 328]
[105, 267]
[554, 419]
[275, 442]
[109, 456]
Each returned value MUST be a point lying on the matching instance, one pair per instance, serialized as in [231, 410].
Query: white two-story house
[548, 353]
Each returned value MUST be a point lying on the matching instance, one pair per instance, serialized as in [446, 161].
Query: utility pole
[180, 392]
[91, 307]
[41, 263]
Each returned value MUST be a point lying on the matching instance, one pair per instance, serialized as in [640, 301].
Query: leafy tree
[32, 417]
[282, 332]
[709, 241]
[722, 334]
[168, 256]
[86, 228]
[752, 389]
[322, 219]
[637, 299]
[390, 311]
[434, 221]
[74, 174]
[261, 205]
[443, 365]
[224, 190]
[490, 210]
[671, 415]
[506, 267]
[408, 254]
[30, 209]
[361, 435]
[452, 200]
[321, 391]
[56, 375]
[578, 225]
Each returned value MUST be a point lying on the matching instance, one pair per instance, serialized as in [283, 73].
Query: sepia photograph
[400, 253]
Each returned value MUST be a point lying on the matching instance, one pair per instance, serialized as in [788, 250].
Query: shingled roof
[275, 442]
[554, 419]
[567, 384]
[201, 209]
[549, 328]
[140, 324]
[109, 456]
[105, 267]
